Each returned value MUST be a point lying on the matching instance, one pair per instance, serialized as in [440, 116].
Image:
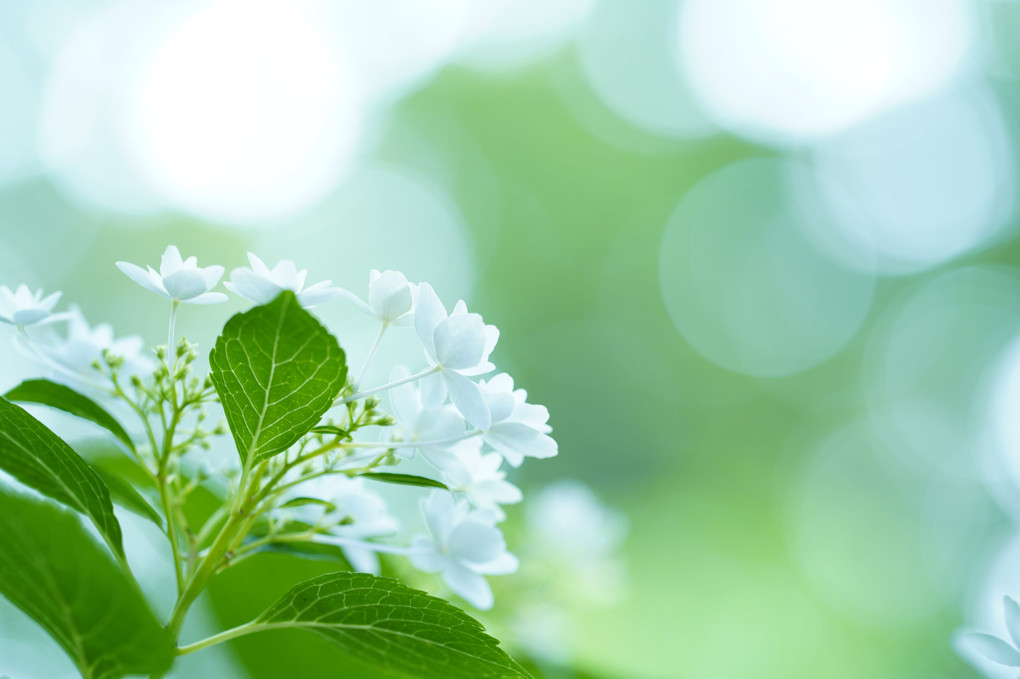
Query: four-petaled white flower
[390, 297]
[518, 428]
[463, 545]
[457, 346]
[178, 280]
[996, 649]
[261, 284]
[24, 307]
[477, 475]
[419, 423]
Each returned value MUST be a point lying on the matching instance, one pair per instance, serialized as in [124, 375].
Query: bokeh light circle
[789, 70]
[625, 52]
[932, 180]
[247, 130]
[743, 281]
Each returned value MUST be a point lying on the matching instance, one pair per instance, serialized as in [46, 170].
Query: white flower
[390, 297]
[85, 345]
[518, 428]
[261, 284]
[996, 649]
[419, 423]
[457, 345]
[462, 545]
[177, 279]
[478, 476]
[23, 307]
[359, 514]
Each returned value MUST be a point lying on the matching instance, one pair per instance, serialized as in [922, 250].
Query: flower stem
[396, 383]
[371, 353]
[227, 635]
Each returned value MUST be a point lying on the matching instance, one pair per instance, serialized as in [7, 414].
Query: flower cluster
[452, 420]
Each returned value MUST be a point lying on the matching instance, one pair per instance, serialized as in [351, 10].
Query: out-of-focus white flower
[995, 649]
[477, 476]
[458, 346]
[519, 429]
[84, 345]
[359, 514]
[463, 545]
[390, 297]
[573, 538]
[178, 280]
[419, 423]
[261, 284]
[24, 307]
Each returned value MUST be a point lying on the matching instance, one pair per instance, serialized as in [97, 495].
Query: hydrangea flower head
[24, 307]
[180, 280]
[261, 284]
[519, 429]
[84, 345]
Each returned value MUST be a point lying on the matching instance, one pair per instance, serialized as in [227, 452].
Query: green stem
[229, 634]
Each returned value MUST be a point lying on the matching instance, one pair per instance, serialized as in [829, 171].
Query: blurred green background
[758, 257]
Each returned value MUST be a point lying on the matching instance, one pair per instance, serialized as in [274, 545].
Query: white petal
[404, 400]
[29, 316]
[475, 542]
[433, 390]
[362, 559]
[50, 302]
[993, 648]
[389, 295]
[468, 398]
[441, 514]
[212, 275]
[425, 556]
[250, 285]
[469, 585]
[317, 294]
[1012, 610]
[170, 261]
[185, 284]
[504, 564]
[357, 301]
[459, 341]
[428, 314]
[207, 298]
[516, 440]
[143, 278]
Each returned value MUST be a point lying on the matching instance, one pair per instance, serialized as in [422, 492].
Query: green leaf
[405, 479]
[124, 494]
[56, 573]
[383, 622]
[41, 460]
[277, 371]
[303, 501]
[329, 429]
[61, 397]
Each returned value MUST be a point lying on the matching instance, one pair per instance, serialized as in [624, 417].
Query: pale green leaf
[56, 573]
[277, 371]
[405, 479]
[386, 623]
[41, 460]
[61, 397]
[125, 495]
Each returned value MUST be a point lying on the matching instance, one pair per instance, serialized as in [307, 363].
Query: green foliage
[393, 626]
[42, 461]
[61, 397]
[124, 494]
[51, 569]
[405, 479]
[277, 371]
